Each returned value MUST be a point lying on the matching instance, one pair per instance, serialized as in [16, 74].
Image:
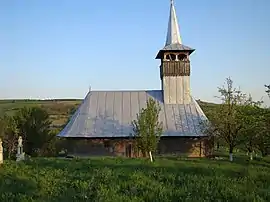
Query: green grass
[116, 179]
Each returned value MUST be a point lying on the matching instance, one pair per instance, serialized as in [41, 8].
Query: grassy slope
[118, 180]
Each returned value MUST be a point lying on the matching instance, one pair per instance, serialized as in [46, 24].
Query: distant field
[119, 180]
[58, 109]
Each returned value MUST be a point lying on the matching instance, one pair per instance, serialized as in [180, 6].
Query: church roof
[107, 114]
[174, 47]
[179, 47]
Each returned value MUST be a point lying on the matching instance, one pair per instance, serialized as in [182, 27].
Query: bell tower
[175, 65]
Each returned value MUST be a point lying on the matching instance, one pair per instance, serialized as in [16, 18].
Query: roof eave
[162, 51]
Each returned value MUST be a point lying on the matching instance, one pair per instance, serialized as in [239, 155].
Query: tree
[267, 89]
[147, 128]
[9, 135]
[227, 120]
[2, 126]
[263, 134]
[34, 125]
[70, 113]
[252, 116]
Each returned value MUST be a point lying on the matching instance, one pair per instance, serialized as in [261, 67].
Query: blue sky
[56, 49]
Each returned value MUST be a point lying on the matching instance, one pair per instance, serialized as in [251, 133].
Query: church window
[171, 57]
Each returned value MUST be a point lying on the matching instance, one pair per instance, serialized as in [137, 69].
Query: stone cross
[20, 153]
[1, 152]
[20, 146]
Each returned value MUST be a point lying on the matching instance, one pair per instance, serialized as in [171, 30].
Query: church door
[129, 150]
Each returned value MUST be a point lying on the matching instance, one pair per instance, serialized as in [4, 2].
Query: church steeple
[173, 33]
[175, 64]
[173, 39]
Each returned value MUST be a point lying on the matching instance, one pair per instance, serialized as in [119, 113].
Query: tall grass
[117, 179]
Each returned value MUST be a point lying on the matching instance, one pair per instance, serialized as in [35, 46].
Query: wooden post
[151, 157]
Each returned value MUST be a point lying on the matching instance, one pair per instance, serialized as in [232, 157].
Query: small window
[182, 57]
[171, 57]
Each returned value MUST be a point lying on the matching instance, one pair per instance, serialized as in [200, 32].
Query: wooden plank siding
[175, 68]
[125, 147]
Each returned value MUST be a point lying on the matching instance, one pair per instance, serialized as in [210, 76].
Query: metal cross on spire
[173, 33]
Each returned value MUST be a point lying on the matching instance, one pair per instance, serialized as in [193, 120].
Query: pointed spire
[173, 33]
[173, 41]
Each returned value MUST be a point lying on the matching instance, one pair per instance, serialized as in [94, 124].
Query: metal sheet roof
[173, 32]
[110, 113]
[177, 47]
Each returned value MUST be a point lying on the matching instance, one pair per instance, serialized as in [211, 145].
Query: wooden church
[101, 126]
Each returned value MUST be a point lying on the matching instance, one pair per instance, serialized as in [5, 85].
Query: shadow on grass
[244, 160]
[12, 185]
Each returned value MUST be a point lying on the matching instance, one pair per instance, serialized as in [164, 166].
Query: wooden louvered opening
[175, 68]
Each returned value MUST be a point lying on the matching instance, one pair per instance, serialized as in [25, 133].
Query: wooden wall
[175, 68]
[191, 147]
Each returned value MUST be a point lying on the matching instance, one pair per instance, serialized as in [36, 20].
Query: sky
[57, 49]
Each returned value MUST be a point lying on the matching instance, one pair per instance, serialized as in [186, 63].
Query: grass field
[114, 179]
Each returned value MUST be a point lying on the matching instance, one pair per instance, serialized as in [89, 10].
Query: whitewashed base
[20, 157]
[231, 157]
